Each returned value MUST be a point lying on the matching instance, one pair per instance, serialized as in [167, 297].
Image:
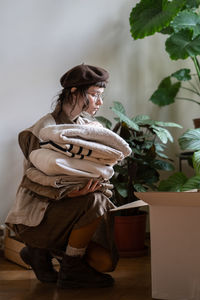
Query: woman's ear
[73, 89]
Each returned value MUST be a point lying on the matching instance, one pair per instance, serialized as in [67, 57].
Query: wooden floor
[132, 282]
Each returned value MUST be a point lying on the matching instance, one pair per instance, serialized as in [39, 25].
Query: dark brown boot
[76, 273]
[41, 262]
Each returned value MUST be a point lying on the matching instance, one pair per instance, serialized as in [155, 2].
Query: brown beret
[83, 75]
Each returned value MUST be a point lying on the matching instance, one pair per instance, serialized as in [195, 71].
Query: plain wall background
[41, 39]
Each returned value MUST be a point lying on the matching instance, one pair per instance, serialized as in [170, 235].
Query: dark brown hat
[83, 75]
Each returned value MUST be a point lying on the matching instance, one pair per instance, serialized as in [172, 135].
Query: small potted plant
[138, 172]
[180, 21]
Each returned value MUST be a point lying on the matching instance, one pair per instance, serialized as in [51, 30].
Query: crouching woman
[77, 229]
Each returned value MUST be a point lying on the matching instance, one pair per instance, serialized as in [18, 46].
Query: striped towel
[88, 137]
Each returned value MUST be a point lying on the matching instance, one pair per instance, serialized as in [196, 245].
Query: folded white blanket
[54, 163]
[85, 136]
[105, 155]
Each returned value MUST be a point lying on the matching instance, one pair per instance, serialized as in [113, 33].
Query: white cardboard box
[175, 244]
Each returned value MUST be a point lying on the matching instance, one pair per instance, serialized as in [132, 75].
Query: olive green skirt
[62, 216]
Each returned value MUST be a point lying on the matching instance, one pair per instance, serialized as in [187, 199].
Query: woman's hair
[66, 96]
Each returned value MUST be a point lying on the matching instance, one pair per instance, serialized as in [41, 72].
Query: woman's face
[95, 98]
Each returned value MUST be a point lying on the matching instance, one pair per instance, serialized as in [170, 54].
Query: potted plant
[138, 172]
[179, 181]
[180, 20]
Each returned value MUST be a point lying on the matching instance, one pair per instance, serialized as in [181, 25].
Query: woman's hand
[89, 188]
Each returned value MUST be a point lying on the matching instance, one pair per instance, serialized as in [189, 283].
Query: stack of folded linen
[58, 186]
[70, 155]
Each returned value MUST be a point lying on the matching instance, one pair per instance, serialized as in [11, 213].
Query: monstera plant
[179, 20]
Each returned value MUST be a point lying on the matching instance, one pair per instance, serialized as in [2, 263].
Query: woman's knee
[101, 264]
[105, 264]
[99, 258]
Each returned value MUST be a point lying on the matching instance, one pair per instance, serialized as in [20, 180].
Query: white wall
[41, 39]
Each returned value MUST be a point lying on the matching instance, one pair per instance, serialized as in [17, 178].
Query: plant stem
[194, 86]
[197, 82]
[196, 63]
[192, 100]
[194, 91]
[198, 66]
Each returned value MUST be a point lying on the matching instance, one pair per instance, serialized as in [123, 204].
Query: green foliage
[174, 183]
[178, 182]
[191, 183]
[180, 19]
[166, 92]
[125, 119]
[192, 3]
[196, 162]
[141, 170]
[181, 45]
[187, 19]
[190, 140]
[182, 75]
[150, 16]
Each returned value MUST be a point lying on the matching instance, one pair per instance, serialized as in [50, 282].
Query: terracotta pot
[196, 123]
[130, 234]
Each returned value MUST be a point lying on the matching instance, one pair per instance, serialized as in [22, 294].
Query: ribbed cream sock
[71, 251]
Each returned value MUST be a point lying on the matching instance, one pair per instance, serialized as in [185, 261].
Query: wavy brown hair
[66, 96]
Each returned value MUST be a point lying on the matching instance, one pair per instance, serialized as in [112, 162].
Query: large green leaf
[192, 3]
[167, 124]
[162, 155]
[163, 134]
[163, 165]
[139, 187]
[119, 107]
[196, 162]
[181, 45]
[182, 75]
[145, 120]
[159, 146]
[192, 183]
[122, 189]
[150, 16]
[140, 119]
[190, 140]
[166, 92]
[187, 20]
[125, 119]
[173, 183]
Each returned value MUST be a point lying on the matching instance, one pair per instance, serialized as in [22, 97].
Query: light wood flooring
[132, 282]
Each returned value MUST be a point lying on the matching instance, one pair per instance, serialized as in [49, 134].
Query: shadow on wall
[111, 42]
[133, 63]
[11, 167]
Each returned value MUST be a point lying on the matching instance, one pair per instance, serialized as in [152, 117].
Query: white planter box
[175, 244]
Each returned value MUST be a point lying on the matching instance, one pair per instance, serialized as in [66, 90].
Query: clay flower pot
[196, 123]
[130, 235]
